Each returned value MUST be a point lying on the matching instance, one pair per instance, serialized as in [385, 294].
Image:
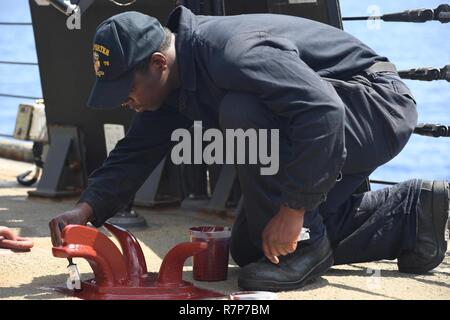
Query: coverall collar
[183, 22]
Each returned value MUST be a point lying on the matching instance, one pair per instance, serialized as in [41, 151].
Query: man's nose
[128, 103]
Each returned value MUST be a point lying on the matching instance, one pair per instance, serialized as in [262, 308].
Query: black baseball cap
[120, 43]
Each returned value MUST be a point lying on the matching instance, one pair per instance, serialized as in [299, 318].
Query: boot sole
[319, 270]
[440, 204]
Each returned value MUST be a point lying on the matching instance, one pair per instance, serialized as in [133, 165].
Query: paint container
[253, 295]
[212, 263]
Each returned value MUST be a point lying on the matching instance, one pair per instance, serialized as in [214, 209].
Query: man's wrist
[296, 212]
[87, 212]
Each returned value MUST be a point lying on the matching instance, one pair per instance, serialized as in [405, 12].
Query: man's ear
[158, 60]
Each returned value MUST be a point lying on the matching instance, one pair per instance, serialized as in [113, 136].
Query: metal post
[127, 218]
[63, 174]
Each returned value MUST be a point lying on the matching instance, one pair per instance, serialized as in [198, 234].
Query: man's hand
[81, 215]
[281, 234]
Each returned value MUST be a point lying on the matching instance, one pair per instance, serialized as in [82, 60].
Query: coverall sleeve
[112, 186]
[272, 70]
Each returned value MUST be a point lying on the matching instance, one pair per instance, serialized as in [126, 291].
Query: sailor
[341, 111]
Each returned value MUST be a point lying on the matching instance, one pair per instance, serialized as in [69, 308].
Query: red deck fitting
[123, 275]
[8, 240]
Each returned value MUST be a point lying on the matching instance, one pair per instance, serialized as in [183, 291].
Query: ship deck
[32, 275]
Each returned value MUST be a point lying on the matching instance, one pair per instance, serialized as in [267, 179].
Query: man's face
[150, 87]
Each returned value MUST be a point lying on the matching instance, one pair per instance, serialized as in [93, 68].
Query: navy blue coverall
[306, 79]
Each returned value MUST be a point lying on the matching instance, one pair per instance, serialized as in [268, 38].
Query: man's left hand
[281, 234]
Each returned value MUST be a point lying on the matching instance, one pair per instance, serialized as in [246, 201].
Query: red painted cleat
[123, 275]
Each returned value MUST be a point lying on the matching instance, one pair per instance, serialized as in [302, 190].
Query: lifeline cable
[426, 74]
[441, 14]
[432, 130]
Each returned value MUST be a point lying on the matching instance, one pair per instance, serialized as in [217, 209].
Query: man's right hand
[81, 215]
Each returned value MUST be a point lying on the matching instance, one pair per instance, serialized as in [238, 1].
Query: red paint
[212, 263]
[171, 270]
[132, 251]
[8, 240]
[124, 276]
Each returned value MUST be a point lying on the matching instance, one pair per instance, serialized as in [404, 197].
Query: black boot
[308, 262]
[431, 244]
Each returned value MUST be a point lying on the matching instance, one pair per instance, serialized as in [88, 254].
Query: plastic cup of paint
[211, 264]
[253, 295]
